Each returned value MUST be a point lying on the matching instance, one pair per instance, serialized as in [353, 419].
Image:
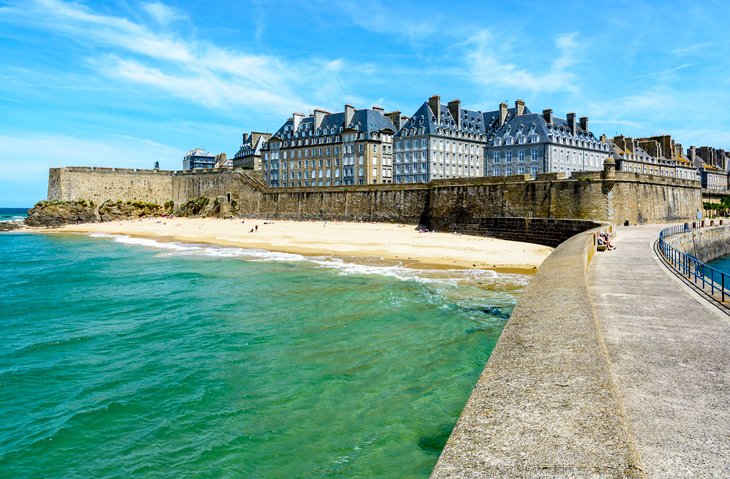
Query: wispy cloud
[488, 62]
[163, 14]
[197, 71]
[691, 48]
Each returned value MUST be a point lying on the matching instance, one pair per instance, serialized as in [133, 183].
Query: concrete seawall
[705, 244]
[545, 405]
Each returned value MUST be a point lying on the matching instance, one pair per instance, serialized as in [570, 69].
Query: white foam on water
[451, 277]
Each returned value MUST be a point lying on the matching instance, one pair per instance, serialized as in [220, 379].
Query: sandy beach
[381, 241]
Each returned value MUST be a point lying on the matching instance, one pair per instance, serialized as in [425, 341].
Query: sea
[13, 214]
[721, 264]
[128, 357]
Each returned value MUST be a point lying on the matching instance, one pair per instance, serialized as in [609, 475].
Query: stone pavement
[669, 354]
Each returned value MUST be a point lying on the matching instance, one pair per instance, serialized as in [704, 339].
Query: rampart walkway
[670, 358]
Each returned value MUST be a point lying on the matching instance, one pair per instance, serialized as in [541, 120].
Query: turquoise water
[124, 357]
[721, 264]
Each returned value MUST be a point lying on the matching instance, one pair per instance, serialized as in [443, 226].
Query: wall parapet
[545, 404]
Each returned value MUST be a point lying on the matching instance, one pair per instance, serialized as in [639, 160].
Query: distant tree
[157, 165]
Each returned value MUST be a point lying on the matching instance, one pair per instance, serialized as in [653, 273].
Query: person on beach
[257, 228]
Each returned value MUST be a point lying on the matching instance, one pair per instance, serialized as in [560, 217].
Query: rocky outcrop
[53, 214]
[9, 226]
[116, 211]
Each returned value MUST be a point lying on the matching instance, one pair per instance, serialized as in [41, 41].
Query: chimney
[379, 109]
[245, 138]
[435, 104]
[692, 152]
[519, 107]
[571, 123]
[319, 117]
[584, 123]
[403, 120]
[296, 119]
[502, 113]
[548, 115]
[455, 110]
[349, 114]
[629, 145]
[394, 117]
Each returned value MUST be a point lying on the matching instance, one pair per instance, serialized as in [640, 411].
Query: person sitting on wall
[604, 239]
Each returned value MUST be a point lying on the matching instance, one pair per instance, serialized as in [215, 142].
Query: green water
[128, 358]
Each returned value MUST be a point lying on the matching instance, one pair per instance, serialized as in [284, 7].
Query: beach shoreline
[360, 242]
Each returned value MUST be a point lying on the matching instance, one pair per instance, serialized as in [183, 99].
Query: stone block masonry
[515, 207]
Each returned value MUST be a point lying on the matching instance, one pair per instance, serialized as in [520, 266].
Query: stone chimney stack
[435, 104]
[519, 107]
[379, 109]
[319, 117]
[547, 114]
[584, 123]
[394, 117]
[296, 120]
[455, 110]
[349, 114]
[630, 145]
[502, 113]
[245, 138]
[571, 123]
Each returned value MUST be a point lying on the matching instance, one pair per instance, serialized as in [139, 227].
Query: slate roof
[365, 120]
[530, 123]
[424, 121]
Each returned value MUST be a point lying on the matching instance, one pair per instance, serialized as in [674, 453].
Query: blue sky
[127, 83]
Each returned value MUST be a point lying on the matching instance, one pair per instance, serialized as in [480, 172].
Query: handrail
[711, 281]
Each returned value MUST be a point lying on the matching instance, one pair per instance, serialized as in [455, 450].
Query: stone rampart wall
[101, 184]
[473, 205]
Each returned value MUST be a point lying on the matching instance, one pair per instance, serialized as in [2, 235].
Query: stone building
[352, 147]
[439, 141]
[249, 154]
[521, 142]
[198, 158]
[712, 165]
[658, 155]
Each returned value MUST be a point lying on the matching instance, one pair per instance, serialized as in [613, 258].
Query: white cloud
[197, 71]
[163, 14]
[487, 62]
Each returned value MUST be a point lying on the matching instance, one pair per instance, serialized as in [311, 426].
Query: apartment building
[439, 141]
[521, 142]
[352, 147]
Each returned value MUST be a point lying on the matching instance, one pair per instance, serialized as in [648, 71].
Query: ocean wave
[451, 277]
[12, 219]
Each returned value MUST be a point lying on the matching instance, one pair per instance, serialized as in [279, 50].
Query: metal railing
[712, 281]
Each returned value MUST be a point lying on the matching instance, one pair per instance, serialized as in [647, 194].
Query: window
[495, 157]
[497, 172]
[508, 171]
[408, 144]
[533, 171]
[424, 143]
[508, 156]
[520, 170]
[533, 154]
[521, 155]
